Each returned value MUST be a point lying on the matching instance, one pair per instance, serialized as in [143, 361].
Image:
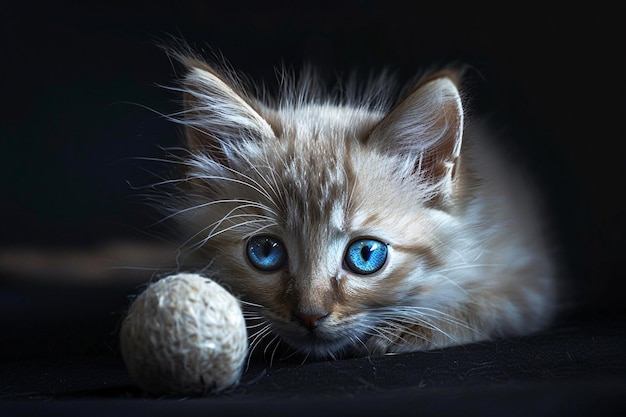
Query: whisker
[213, 233]
[247, 204]
[308, 352]
[278, 343]
[258, 337]
[356, 340]
[250, 304]
[255, 168]
[213, 226]
[267, 347]
[394, 322]
[254, 326]
[291, 354]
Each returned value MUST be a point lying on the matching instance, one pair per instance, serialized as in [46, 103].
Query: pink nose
[310, 321]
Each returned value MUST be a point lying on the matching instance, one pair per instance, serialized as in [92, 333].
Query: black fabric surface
[60, 356]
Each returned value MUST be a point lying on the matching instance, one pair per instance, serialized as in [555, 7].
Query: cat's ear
[427, 128]
[218, 117]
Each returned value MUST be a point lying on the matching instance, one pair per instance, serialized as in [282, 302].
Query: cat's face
[329, 249]
[326, 220]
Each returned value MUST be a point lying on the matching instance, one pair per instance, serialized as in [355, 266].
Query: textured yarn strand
[184, 335]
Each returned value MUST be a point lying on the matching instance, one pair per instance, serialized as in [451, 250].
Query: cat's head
[323, 214]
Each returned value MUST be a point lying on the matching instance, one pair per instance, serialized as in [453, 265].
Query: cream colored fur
[467, 253]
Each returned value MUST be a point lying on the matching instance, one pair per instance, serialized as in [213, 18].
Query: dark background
[75, 79]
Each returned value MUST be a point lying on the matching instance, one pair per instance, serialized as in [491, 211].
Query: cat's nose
[310, 321]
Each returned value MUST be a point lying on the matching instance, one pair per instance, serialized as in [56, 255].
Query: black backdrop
[71, 73]
[75, 79]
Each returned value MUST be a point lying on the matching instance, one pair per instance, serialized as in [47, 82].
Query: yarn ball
[184, 335]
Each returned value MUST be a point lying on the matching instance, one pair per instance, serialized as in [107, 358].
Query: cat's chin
[319, 346]
[322, 350]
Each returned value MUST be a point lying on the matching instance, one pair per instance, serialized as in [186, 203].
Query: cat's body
[354, 227]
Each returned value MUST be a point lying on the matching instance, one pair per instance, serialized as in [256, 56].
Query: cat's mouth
[318, 343]
[328, 339]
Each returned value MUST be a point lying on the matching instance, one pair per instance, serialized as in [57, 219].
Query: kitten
[352, 225]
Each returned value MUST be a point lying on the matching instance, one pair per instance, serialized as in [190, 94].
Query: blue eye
[366, 256]
[266, 253]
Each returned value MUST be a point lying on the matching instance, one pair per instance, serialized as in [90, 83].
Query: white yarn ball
[184, 335]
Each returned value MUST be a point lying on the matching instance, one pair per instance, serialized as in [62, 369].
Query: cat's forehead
[315, 188]
[307, 124]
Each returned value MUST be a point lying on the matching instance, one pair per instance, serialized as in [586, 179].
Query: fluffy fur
[467, 257]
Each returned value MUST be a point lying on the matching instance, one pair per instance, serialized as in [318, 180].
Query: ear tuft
[427, 127]
[216, 115]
